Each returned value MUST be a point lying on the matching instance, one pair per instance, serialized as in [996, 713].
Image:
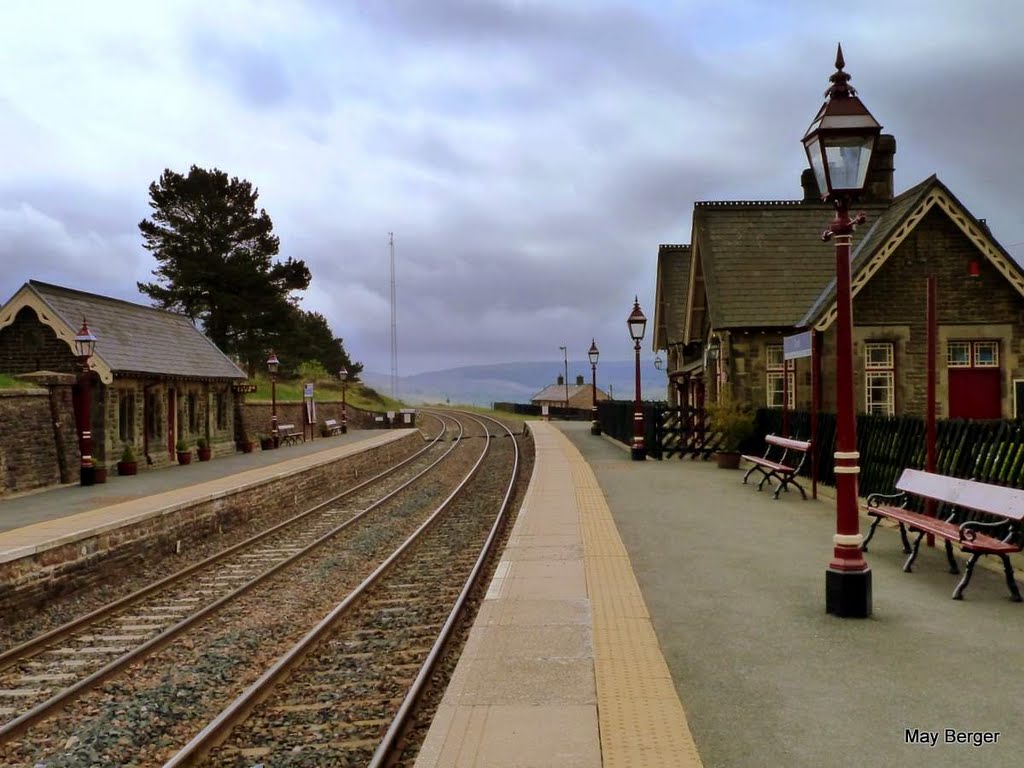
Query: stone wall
[27, 345]
[39, 443]
[30, 580]
[255, 417]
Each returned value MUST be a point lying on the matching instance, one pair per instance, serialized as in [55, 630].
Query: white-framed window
[777, 367]
[986, 354]
[879, 378]
[958, 354]
[972, 354]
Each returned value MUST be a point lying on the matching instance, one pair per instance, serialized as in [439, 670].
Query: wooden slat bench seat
[777, 466]
[981, 519]
[333, 427]
[287, 434]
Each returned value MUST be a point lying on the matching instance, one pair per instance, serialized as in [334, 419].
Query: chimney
[561, 380]
[879, 187]
[810, 186]
[579, 380]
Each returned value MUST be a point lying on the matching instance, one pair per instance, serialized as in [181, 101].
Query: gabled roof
[670, 299]
[763, 262]
[131, 338]
[556, 392]
[892, 227]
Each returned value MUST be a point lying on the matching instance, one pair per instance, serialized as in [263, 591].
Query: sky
[528, 156]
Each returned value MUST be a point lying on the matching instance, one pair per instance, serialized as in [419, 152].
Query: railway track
[174, 667]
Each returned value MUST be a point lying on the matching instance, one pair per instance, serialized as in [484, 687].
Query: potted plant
[266, 442]
[100, 474]
[127, 465]
[183, 451]
[204, 449]
[733, 424]
[245, 445]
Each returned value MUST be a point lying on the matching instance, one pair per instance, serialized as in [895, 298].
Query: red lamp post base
[848, 593]
[595, 428]
[638, 453]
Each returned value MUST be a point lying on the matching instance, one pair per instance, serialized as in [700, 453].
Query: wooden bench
[981, 519]
[777, 466]
[333, 427]
[287, 434]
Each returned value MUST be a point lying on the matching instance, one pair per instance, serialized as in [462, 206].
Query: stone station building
[155, 378]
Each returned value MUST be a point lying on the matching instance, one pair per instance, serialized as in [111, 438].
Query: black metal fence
[988, 451]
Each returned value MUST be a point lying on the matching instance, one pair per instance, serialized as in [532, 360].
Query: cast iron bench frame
[778, 468]
[333, 427]
[1001, 512]
[286, 433]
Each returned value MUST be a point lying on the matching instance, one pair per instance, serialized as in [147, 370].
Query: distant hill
[515, 382]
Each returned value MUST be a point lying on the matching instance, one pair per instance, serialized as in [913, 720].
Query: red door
[974, 393]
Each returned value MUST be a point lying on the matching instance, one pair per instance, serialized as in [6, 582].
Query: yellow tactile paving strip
[640, 717]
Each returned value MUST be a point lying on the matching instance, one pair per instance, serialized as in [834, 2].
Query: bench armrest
[970, 529]
[894, 499]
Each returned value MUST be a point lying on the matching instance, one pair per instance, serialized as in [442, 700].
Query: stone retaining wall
[38, 444]
[29, 581]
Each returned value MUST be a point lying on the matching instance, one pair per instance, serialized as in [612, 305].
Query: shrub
[201, 443]
[733, 422]
[128, 454]
[181, 446]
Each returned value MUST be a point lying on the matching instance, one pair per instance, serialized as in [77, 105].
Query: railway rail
[174, 667]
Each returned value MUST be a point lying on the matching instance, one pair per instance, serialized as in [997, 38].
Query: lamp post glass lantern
[343, 375]
[85, 345]
[637, 324]
[272, 366]
[593, 354]
[839, 145]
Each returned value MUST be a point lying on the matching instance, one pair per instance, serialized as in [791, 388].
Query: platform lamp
[273, 364]
[85, 345]
[839, 145]
[637, 323]
[593, 354]
[343, 375]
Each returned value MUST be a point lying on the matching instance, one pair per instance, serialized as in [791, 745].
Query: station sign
[796, 346]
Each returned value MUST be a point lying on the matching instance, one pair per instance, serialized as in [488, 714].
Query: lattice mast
[394, 322]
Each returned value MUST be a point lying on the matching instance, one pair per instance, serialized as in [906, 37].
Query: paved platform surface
[51, 503]
[735, 585]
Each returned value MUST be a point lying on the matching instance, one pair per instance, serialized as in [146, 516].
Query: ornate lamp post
[593, 354]
[565, 379]
[85, 345]
[343, 375]
[839, 144]
[272, 365]
[637, 324]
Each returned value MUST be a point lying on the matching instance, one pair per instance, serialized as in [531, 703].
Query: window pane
[773, 398]
[880, 393]
[878, 355]
[958, 354]
[774, 357]
[986, 354]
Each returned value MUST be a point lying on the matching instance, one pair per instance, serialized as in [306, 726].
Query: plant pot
[127, 468]
[101, 475]
[728, 459]
[247, 446]
[184, 457]
[266, 443]
[205, 453]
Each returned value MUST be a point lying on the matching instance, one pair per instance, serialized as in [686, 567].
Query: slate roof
[673, 283]
[556, 392]
[764, 262]
[133, 338]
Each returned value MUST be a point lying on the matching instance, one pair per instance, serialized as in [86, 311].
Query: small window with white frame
[958, 354]
[777, 367]
[879, 378]
[986, 354]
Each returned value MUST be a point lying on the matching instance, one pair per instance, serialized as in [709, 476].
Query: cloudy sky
[528, 155]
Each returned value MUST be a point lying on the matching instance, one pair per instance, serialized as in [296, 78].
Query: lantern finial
[840, 80]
